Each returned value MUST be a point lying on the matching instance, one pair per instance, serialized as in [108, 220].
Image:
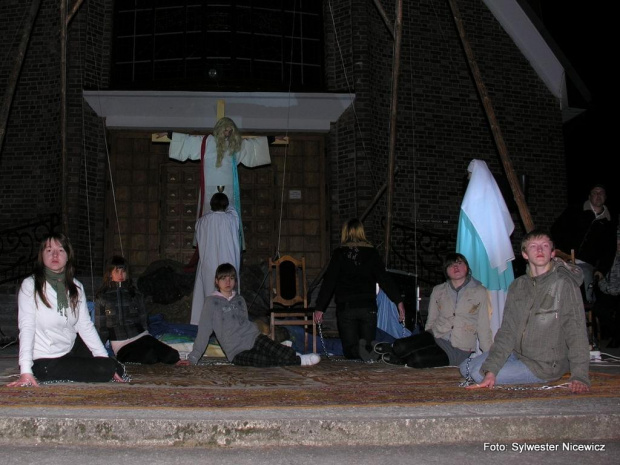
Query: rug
[328, 384]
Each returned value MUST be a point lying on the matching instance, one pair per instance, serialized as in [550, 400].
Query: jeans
[514, 371]
[588, 282]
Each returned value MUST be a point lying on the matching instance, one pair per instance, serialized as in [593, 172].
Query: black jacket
[594, 240]
[352, 274]
[120, 313]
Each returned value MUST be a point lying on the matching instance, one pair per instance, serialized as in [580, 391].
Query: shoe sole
[382, 351]
[388, 362]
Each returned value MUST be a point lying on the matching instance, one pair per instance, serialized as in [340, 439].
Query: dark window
[228, 45]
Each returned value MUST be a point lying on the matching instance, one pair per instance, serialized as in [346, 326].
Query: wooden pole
[9, 92]
[63, 115]
[398, 29]
[74, 11]
[490, 113]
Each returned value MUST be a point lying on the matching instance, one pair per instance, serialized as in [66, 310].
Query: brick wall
[441, 123]
[31, 158]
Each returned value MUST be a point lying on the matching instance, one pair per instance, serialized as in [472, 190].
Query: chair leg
[313, 336]
[305, 334]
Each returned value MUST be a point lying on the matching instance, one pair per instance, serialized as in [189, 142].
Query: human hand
[488, 381]
[577, 387]
[318, 317]
[25, 380]
[182, 363]
[401, 311]
[117, 378]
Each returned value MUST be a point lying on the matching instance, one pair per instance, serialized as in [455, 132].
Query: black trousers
[420, 351]
[148, 350]
[78, 365]
[356, 321]
[607, 311]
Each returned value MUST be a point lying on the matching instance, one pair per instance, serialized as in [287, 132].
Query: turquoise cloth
[237, 199]
[469, 244]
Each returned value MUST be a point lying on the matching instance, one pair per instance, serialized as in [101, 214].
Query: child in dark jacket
[225, 313]
[121, 318]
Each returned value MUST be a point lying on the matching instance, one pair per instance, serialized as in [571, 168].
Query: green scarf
[57, 281]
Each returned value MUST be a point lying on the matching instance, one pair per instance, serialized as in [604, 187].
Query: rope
[84, 152]
[350, 90]
[288, 115]
[105, 144]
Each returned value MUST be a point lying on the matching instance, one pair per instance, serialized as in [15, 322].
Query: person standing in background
[589, 230]
[352, 274]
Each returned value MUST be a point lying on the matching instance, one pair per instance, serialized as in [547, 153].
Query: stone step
[578, 419]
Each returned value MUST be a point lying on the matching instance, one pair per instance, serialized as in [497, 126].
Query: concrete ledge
[327, 427]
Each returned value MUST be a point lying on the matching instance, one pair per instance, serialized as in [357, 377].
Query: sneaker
[309, 359]
[392, 359]
[383, 348]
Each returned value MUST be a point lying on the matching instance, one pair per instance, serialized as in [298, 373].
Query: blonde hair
[353, 231]
[536, 234]
[233, 143]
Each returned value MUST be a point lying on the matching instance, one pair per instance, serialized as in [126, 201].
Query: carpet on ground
[334, 382]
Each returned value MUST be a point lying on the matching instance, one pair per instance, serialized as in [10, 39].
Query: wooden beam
[9, 92]
[495, 129]
[63, 116]
[398, 33]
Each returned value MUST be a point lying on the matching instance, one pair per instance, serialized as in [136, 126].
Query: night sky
[584, 33]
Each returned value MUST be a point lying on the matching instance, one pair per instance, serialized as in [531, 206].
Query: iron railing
[420, 249]
[19, 247]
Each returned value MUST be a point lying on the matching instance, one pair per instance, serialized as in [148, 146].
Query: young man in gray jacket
[543, 334]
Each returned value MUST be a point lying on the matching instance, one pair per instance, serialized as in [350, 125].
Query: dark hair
[451, 258]
[598, 184]
[219, 202]
[225, 270]
[69, 272]
[116, 262]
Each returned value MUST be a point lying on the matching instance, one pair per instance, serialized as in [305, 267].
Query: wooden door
[151, 203]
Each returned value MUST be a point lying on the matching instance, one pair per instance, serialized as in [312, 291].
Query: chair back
[287, 282]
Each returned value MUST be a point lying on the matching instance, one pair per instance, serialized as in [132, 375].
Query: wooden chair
[566, 257]
[288, 290]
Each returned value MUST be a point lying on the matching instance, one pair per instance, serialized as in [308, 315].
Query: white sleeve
[27, 322]
[185, 147]
[254, 152]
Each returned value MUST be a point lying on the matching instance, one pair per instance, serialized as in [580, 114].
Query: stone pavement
[540, 421]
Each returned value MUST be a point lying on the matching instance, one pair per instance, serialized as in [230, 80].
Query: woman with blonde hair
[354, 270]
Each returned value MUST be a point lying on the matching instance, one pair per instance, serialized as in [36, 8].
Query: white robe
[218, 242]
[483, 236]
